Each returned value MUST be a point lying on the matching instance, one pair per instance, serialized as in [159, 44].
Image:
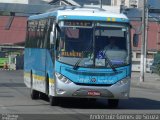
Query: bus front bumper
[119, 90]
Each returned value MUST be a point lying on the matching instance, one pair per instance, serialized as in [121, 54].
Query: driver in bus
[111, 45]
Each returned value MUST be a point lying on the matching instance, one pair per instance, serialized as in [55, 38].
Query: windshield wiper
[111, 65]
[75, 67]
[109, 62]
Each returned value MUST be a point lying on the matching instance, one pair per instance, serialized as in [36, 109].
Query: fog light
[60, 91]
[62, 78]
[123, 81]
[125, 94]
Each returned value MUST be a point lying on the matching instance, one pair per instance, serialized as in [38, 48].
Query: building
[153, 43]
[13, 22]
[111, 5]
[26, 1]
[139, 3]
[115, 3]
[14, 1]
[38, 2]
[13, 17]
[12, 29]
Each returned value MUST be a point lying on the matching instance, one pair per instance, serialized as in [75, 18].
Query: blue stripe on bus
[35, 62]
[85, 75]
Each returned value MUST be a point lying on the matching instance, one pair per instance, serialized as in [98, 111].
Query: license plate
[93, 93]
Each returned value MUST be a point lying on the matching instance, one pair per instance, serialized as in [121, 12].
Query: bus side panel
[27, 68]
[35, 63]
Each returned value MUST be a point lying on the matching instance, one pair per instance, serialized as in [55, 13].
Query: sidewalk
[151, 81]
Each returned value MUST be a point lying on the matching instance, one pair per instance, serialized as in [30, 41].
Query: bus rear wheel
[34, 93]
[113, 103]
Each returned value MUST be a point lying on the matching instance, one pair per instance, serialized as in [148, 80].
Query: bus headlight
[124, 81]
[62, 78]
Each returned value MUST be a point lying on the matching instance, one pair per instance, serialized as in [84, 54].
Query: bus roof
[83, 14]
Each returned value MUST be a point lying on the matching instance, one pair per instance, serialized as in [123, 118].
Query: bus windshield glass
[91, 43]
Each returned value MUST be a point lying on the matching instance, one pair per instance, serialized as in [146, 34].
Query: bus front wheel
[113, 103]
[34, 94]
[53, 100]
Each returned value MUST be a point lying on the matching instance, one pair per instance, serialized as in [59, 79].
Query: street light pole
[146, 37]
[100, 3]
[143, 43]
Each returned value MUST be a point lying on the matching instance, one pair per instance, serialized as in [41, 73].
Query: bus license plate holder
[94, 93]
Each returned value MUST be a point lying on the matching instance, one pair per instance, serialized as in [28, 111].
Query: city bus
[65, 56]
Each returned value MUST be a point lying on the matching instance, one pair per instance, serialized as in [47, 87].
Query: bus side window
[32, 26]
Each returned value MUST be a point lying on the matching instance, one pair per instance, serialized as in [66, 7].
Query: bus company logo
[93, 80]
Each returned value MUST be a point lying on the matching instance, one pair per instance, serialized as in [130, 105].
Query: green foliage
[3, 61]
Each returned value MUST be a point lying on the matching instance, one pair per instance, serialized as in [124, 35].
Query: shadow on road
[140, 104]
[131, 104]
[12, 84]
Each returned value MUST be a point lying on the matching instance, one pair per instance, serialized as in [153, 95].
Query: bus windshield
[91, 43]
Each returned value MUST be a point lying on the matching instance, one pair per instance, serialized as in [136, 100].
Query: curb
[6, 69]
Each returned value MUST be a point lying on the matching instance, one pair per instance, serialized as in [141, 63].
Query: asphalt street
[15, 99]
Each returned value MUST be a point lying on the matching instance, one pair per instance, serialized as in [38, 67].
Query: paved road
[15, 99]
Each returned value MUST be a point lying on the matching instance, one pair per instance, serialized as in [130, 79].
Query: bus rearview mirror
[135, 40]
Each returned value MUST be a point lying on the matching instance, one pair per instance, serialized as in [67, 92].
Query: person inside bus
[112, 45]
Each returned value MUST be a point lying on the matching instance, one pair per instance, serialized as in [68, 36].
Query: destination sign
[71, 54]
[78, 23]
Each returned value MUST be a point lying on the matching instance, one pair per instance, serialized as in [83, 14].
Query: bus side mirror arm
[55, 29]
[52, 41]
[136, 35]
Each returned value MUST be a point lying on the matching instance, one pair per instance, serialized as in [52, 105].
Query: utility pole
[100, 3]
[146, 35]
[143, 42]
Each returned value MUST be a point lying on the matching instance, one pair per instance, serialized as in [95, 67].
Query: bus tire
[113, 103]
[34, 93]
[47, 85]
[92, 99]
[53, 100]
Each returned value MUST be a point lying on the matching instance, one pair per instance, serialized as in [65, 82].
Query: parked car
[154, 68]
